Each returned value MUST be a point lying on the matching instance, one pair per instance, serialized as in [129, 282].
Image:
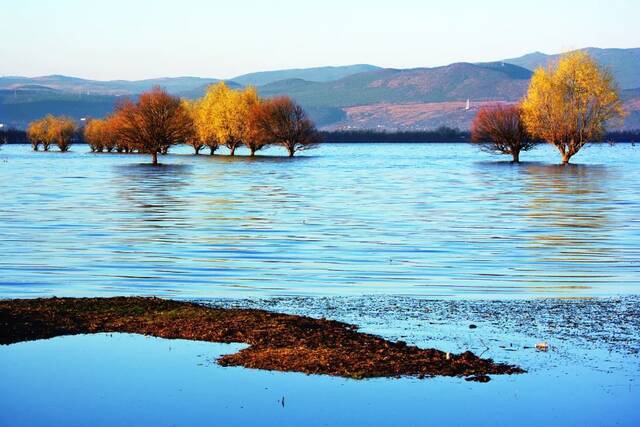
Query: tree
[282, 121]
[60, 130]
[208, 125]
[109, 136]
[257, 138]
[153, 124]
[225, 113]
[199, 137]
[499, 129]
[99, 135]
[37, 133]
[569, 104]
[51, 130]
[93, 134]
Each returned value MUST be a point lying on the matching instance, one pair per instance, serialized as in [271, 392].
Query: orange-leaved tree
[283, 122]
[51, 129]
[61, 130]
[153, 123]
[99, 134]
[499, 128]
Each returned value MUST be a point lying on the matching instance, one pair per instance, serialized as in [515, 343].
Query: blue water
[131, 380]
[430, 220]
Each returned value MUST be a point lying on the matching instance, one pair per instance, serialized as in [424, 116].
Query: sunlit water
[417, 219]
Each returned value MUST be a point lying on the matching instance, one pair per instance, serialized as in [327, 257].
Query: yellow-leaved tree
[223, 115]
[198, 137]
[570, 103]
[205, 112]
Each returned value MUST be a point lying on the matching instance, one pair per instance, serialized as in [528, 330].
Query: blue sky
[134, 39]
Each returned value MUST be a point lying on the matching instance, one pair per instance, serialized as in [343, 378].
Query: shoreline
[279, 342]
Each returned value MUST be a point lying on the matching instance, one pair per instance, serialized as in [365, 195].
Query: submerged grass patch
[280, 342]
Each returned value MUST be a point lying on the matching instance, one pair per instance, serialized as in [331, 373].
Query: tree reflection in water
[569, 212]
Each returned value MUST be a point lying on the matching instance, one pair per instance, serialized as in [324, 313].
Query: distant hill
[198, 91]
[492, 81]
[109, 87]
[317, 74]
[350, 97]
[21, 105]
[624, 63]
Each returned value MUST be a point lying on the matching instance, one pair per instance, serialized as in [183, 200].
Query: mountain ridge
[313, 74]
[623, 62]
[388, 98]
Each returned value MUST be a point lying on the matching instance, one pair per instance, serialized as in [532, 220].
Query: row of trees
[222, 117]
[568, 104]
[51, 130]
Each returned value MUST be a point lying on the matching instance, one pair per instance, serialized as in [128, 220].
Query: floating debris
[479, 378]
[542, 346]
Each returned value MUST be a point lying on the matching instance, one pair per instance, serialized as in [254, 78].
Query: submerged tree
[37, 133]
[224, 115]
[202, 112]
[100, 135]
[51, 130]
[256, 138]
[93, 134]
[281, 121]
[196, 141]
[61, 130]
[569, 104]
[499, 129]
[153, 124]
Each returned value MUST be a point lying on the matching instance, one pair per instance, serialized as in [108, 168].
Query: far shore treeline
[568, 105]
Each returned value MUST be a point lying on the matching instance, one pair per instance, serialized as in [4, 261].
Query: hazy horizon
[133, 41]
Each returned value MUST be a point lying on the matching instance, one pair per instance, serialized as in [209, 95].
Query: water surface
[100, 380]
[429, 220]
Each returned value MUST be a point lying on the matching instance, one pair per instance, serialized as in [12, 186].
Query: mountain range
[624, 63]
[348, 97]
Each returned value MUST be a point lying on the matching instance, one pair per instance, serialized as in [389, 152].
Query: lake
[97, 380]
[426, 220]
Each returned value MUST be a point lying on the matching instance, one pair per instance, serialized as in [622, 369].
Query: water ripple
[430, 220]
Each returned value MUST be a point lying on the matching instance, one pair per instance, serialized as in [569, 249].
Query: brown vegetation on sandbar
[276, 341]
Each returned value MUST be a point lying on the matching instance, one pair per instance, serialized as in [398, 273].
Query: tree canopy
[49, 130]
[154, 123]
[570, 103]
[499, 128]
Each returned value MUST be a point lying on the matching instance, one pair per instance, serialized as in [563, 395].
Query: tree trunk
[291, 152]
[155, 157]
[233, 151]
[565, 158]
[211, 151]
[253, 152]
[197, 150]
[516, 156]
